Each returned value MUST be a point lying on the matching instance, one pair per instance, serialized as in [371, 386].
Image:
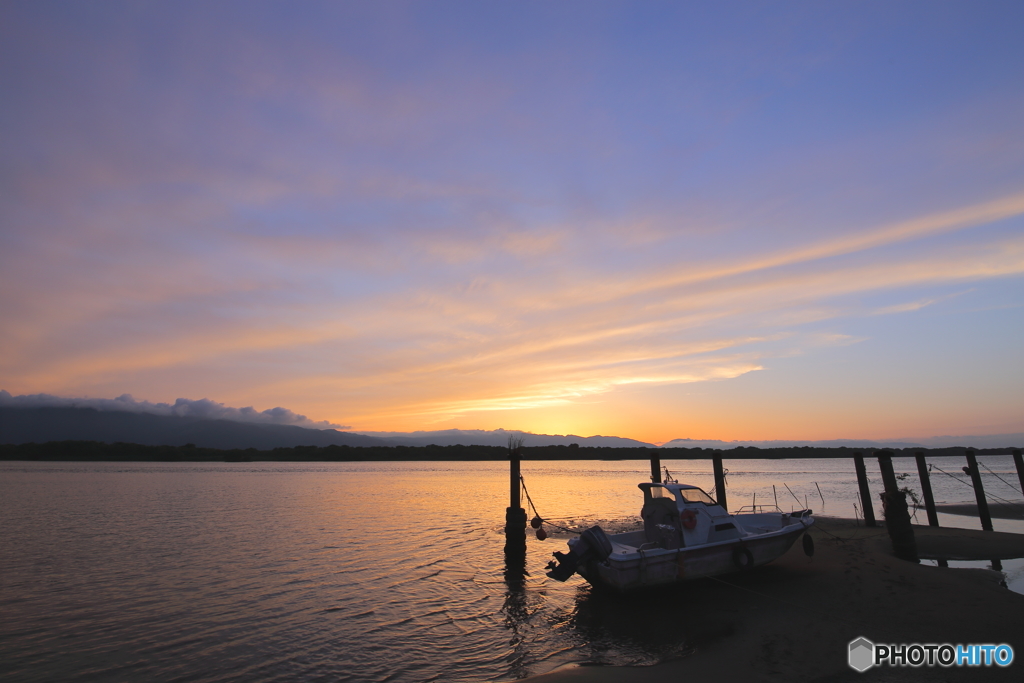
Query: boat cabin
[680, 515]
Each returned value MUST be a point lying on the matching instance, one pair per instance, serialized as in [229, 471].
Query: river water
[347, 571]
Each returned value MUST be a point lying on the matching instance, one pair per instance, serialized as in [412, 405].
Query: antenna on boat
[667, 479]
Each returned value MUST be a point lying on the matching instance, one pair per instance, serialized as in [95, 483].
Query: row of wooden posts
[515, 515]
[890, 484]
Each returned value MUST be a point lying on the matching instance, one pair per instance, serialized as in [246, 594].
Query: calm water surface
[343, 571]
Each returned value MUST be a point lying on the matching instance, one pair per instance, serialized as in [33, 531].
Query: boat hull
[625, 571]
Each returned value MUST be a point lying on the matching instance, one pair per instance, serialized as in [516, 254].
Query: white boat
[686, 535]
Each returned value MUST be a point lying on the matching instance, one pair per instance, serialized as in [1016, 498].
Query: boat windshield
[662, 492]
[696, 496]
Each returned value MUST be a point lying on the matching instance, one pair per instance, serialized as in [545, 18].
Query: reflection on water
[1013, 570]
[516, 612]
[609, 623]
[340, 571]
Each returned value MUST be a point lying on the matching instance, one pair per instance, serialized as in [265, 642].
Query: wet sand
[792, 620]
[938, 543]
[996, 510]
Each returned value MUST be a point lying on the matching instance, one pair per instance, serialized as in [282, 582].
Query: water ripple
[325, 572]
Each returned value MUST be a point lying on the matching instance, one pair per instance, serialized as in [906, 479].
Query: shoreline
[792, 620]
[218, 450]
[996, 509]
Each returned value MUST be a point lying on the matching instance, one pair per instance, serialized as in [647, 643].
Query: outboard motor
[592, 544]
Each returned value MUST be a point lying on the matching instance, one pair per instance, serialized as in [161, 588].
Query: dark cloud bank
[203, 409]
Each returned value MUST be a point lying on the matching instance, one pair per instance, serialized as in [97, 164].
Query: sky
[736, 220]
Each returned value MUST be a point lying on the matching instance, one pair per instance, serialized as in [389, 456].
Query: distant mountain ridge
[43, 424]
[976, 441]
[499, 437]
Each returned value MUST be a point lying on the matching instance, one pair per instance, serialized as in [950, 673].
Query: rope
[965, 483]
[725, 480]
[971, 485]
[1012, 503]
[999, 478]
[522, 482]
[838, 538]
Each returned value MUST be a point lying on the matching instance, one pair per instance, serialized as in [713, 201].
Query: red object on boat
[688, 518]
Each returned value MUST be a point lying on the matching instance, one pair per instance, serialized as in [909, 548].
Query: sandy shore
[793, 619]
[938, 543]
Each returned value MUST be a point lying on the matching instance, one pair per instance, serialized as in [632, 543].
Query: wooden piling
[514, 479]
[865, 493]
[515, 515]
[656, 470]
[1018, 462]
[979, 490]
[889, 480]
[926, 488]
[719, 481]
[897, 517]
[929, 499]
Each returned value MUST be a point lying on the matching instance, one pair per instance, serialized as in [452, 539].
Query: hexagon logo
[862, 654]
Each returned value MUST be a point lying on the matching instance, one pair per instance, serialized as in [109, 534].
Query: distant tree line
[85, 451]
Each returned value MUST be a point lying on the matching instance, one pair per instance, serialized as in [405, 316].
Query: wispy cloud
[429, 347]
[853, 243]
[569, 390]
[917, 305]
[381, 217]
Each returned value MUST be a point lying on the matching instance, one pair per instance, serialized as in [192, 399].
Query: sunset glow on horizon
[653, 221]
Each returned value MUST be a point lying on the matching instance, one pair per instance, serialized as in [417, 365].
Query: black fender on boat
[743, 558]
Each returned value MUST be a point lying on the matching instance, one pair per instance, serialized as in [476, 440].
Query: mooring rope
[971, 485]
[838, 538]
[965, 483]
[999, 478]
[522, 482]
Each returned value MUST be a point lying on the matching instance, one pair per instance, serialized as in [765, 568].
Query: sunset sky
[652, 220]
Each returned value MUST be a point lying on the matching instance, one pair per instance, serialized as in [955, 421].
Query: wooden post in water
[719, 481]
[865, 493]
[515, 515]
[889, 480]
[979, 491]
[514, 474]
[929, 499]
[1018, 462]
[926, 488]
[655, 470]
[897, 517]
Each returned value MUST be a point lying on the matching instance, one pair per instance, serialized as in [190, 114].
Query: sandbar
[996, 510]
